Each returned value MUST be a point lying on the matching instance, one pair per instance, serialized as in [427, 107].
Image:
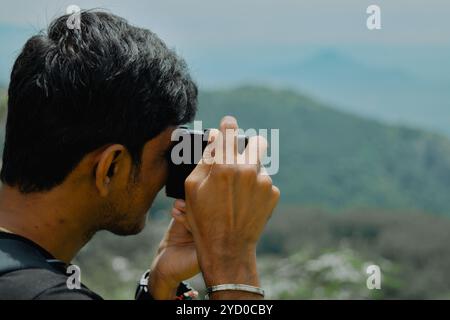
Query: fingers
[213, 133]
[255, 151]
[228, 122]
[180, 205]
[226, 142]
[263, 170]
[221, 147]
[276, 193]
[179, 213]
[209, 152]
[204, 166]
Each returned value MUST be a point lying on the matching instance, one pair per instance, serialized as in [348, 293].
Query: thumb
[179, 224]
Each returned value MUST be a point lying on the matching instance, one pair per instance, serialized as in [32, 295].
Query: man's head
[90, 111]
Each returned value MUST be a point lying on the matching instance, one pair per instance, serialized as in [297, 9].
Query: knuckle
[248, 171]
[265, 182]
[225, 171]
[276, 193]
[268, 178]
[190, 183]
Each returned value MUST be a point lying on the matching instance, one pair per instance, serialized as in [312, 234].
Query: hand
[227, 207]
[176, 259]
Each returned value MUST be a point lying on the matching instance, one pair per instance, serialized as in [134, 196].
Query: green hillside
[331, 159]
[2, 98]
[334, 159]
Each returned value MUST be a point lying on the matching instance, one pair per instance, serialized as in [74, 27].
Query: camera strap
[37, 272]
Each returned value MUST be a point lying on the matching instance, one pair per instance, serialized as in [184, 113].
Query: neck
[51, 219]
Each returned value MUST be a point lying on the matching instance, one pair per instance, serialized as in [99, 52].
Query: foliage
[410, 247]
[306, 253]
[338, 274]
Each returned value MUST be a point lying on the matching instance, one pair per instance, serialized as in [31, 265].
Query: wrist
[160, 287]
[234, 291]
[230, 268]
[244, 273]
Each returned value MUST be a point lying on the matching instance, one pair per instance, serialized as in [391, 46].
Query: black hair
[75, 90]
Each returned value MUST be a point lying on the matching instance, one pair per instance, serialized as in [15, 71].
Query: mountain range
[386, 92]
[389, 94]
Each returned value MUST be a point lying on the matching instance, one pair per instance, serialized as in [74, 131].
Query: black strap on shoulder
[17, 255]
[39, 274]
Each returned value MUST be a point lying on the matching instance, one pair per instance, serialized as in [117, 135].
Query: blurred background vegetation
[383, 195]
[364, 136]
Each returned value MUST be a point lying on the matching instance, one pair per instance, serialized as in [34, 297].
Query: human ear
[110, 161]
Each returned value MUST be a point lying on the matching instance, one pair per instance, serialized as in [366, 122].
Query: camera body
[182, 159]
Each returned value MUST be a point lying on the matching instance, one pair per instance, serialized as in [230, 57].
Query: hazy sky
[203, 23]
[240, 41]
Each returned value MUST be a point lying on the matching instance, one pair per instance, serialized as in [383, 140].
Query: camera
[184, 155]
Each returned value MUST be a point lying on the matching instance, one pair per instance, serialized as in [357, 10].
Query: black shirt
[28, 271]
